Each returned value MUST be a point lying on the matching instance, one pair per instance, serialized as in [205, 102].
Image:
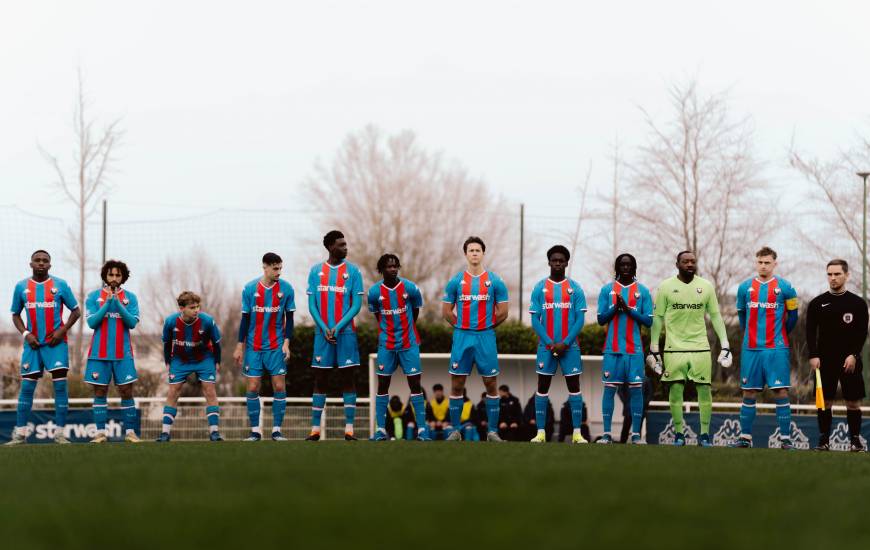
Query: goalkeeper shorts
[694, 366]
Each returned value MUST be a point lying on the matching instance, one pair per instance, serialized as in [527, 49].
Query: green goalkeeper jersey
[681, 307]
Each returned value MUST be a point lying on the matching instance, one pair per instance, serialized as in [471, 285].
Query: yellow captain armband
[791, 304]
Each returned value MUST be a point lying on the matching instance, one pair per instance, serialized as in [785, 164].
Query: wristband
[25, 333]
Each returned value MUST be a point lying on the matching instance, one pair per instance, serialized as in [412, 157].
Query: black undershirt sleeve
[167, 352]
[812, 330]
[860, 332]
[216, 350]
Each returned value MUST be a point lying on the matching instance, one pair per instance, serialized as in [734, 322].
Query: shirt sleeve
[450, 291]
[17, 301]
[741, 297]
[789, 296]
[416, 297]
[290, 304]
[247, 300]
[167, 330]
[500, 291]
[535, 300]
[579, 299]
[69, 299]
[313, 281]
[133, 305]
[91, 304]
[646, 305]
[215, 332]
[357, 282]
[373, 299]
[604, 300]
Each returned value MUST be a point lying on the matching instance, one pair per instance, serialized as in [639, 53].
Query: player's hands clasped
[31, 340]
[725, 358]
[558, 349]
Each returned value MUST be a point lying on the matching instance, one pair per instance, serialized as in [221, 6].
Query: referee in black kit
[836, 331]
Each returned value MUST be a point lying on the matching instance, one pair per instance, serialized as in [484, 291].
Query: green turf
[408, 495]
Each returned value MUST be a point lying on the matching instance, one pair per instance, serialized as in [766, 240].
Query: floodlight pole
[864, 176]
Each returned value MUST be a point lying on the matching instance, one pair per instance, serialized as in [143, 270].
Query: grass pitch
[409, 495]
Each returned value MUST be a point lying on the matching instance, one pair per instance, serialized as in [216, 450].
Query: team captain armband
[791, 304]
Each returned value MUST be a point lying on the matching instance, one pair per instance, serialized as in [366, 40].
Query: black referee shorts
[852, 384]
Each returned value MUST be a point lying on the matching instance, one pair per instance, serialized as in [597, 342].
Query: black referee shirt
[836, 325]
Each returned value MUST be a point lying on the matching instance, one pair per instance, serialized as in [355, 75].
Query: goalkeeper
[681, 303]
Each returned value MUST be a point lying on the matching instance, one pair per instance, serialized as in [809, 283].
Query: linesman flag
[820, 396]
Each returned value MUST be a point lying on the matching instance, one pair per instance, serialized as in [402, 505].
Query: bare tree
[93, 160]
[696, 185]
[198, 272]
[836, 201]
[389, 194]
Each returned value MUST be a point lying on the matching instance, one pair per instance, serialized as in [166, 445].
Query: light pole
[863, 176]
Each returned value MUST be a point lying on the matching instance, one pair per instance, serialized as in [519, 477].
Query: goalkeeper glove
[725, 358]
[654, 360]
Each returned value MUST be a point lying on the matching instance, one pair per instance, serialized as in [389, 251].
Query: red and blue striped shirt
[191, 342]
[558, 306]
[43, 304]
[766, 306]
[334, 287]
[395, 307]
[111, 339]
[267, 306]
[623, 332]
[475, 297]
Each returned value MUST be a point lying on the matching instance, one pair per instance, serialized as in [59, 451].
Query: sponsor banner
[725, 428]
[80, 427]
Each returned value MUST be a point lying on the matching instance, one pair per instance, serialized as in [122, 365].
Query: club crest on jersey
[570, 290]
[405, 295]
[699, 290]
[636, 295]
[53, 290]
[125, 301]
[488, 283]
[847, 318]
[777, 290]
[344, 275]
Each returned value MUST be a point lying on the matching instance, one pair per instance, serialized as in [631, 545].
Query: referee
[836, 331]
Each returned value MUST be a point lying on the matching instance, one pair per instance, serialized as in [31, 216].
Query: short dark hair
[558, 249]
[382, 261]
[330, 238]
[633, 263]
[683, 252]
[437, 387]
[504, 387]
[115, 264]
[473, 239]
[270, 258]
[187, 298]
[765, 251]
[837, 261]
[35, 252]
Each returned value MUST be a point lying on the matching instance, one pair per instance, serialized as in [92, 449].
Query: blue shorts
[204, 370]
[766, 366]
[34, 361]
[409, 358]
[570, 361]
[474, 347]
[344, 353]
[270, 361]
[100, 372]
[623, 368]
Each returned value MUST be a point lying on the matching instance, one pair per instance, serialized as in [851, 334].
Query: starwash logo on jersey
[268, 318]
[622, 333]
[43, 308]
[476, 307]
[558, 308]
[397, 327]
[111, 340]
[190, 343]
[333, 288]
[765, 326]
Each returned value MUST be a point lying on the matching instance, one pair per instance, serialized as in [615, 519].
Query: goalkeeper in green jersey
[681, 303]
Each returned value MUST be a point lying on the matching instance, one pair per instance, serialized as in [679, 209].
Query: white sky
[228, 104]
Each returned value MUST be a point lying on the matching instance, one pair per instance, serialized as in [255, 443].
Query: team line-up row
[475, 301]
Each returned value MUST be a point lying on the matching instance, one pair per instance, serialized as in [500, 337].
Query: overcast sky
[228, 104]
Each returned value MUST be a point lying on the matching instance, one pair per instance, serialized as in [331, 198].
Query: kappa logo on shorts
[281, 371]
[129, 377]
[58, 364]
[777, 382]
[348, 362]
[493, 371]
[247, 368]
[847, 318]
[413, 369]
